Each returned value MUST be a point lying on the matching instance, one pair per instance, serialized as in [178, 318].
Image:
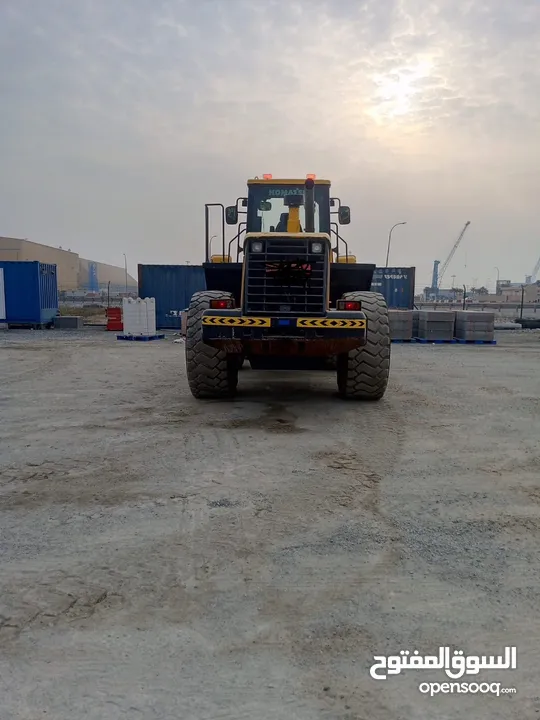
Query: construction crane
[531, 279]
[439, 274]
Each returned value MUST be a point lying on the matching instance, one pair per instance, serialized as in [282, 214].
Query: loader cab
[279, 209]
[273, 204]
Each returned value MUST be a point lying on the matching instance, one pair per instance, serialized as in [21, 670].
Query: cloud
[426, 111]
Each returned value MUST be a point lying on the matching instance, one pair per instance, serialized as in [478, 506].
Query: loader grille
[286, 278]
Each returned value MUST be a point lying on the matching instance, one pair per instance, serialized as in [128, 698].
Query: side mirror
[231, 215]
[344, 215]
[265, 206]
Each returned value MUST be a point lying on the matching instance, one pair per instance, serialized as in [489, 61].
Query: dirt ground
[168, 558]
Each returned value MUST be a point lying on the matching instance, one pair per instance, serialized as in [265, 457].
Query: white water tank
[139, 316]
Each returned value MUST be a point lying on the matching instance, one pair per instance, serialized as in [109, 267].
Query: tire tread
[210, 372]
[363, 374]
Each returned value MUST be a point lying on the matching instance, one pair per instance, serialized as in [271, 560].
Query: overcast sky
[121, 118]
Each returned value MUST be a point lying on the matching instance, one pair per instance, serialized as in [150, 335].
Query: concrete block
[437, 315]
[436, 331]
[435, 324]
[401, 324]
[475, 334]
[474, 316]
[400, 317]
[68, 322]
[475, 327]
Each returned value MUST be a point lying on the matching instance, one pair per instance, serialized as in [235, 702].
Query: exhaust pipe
[309, 205]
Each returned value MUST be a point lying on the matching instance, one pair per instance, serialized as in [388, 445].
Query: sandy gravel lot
[167, 558]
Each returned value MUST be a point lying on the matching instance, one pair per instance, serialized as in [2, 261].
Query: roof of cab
[288, 181]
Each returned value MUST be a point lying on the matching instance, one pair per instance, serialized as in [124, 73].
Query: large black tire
[362, 374]
[211, 373]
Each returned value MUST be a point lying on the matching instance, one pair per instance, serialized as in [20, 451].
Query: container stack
[474, 326]
[436, 325]
[401, 324]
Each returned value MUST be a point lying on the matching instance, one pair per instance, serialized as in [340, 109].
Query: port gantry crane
[439, 274]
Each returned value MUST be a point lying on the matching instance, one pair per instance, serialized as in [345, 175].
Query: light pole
[390, 239]
[125, 267]
[498, 279]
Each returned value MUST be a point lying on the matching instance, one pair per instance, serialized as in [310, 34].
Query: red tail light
[349, 305]
[221, 304]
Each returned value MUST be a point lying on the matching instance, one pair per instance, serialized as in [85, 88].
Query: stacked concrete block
[401, 324]
[68, 322]
[415, 323]
[436, 324]
[471, 325]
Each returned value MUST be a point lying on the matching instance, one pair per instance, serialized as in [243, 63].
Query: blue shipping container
[172, 286]
[31, 292]
[397, 286]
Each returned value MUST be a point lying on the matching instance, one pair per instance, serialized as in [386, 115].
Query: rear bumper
[332, 334]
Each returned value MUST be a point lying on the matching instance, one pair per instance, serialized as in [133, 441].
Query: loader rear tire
[362, 374]
[211, 373]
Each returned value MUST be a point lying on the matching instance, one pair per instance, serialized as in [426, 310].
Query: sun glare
[396, 91]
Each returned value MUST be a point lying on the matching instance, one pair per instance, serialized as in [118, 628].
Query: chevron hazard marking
[235, 321]
[332, 323]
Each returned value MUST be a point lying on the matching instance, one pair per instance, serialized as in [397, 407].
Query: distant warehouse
[74, 273]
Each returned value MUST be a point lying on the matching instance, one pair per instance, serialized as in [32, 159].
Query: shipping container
[397, 286]
[31, 292]
[2, 298]
[172, 286]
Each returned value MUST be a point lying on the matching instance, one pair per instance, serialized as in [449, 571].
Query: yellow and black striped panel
[344, 323]
[231, 321]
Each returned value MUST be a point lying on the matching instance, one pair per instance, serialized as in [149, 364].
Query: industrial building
[74, 273]
[514, 293]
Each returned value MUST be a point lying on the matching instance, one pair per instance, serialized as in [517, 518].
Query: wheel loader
[282, 294]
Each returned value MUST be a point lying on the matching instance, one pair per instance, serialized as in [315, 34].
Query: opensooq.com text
[434, 688]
